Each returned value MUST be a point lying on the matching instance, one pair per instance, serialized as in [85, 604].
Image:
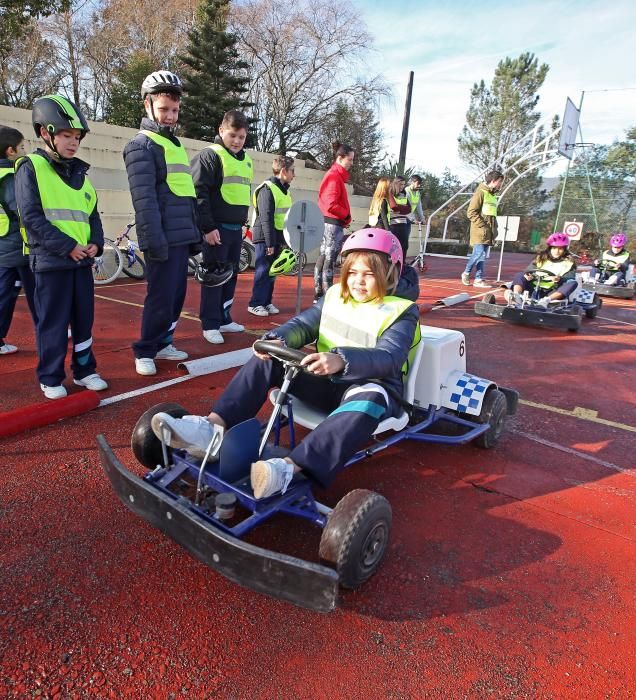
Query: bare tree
[303, 57]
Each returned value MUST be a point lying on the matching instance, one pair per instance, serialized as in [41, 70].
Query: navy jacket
[11, 254]
[49, 248]
[163, 219]
[207, 173]
[263, 230]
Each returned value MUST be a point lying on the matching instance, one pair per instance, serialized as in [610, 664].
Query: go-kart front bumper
[608, 290]
[303, 583]
[527, 316]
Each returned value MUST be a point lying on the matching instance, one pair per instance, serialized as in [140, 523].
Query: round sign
[304, 226]
[573, 229]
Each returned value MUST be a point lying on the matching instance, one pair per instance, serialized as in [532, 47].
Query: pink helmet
[376, 240]
[558, 240]
[618, 240]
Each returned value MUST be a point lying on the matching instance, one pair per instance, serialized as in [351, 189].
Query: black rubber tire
[247, 257]
[490, 299]
[494, 410]
[145, 445]
[356, 536]
[591, 313]
[137, 270]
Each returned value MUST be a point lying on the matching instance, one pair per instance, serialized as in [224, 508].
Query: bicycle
[108, 266]
[133, 265]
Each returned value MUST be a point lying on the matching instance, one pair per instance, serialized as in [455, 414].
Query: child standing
[614, 262]
[15, 273]
[271, 203]
[383, 205]
[58, 210]
[223, 174]
[164, 199]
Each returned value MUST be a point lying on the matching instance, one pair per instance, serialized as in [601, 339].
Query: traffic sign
[573, 230]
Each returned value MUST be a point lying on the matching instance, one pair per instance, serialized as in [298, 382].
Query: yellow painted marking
[581, 413]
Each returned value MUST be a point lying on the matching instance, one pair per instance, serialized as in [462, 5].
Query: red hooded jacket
[332, 196]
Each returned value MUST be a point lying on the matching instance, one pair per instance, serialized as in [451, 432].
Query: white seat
[310, 417]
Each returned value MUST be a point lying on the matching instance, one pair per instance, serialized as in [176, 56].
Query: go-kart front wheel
[356, 536]
[591, 313]
[493, 411]
[145, 445]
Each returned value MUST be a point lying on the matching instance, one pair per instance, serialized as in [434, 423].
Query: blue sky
[589, 45]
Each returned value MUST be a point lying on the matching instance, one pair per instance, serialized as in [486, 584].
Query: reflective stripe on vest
[359, 325]
[615, 261]
[489, 207]
[402, 201]
[179, 179]
[66, 208]
[4, 216]
[556, 267]
[237, 176]
[282, 202]
[414, 197]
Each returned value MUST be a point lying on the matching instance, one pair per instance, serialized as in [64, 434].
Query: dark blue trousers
[216, 302]
[165, 294]
[356, 411]
[402, 233]
[263, 288]
[63, 298]
[12, 280]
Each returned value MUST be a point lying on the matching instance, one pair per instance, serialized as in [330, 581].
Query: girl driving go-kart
[612, 267]
[363, 335]
[550, 277]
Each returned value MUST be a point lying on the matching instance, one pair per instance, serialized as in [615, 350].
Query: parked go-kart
[525, 309]
[598, 283]
[208, 505]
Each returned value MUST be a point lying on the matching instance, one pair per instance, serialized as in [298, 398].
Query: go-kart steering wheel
[538, 272]
[289, 356]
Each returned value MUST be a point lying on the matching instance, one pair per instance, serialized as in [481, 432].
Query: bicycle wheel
[294, 271]
[134, 266]
[108, 265]
[247, 257]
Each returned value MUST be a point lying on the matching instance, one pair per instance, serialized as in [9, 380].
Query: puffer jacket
[11, 254]
[333, 200]
[163, 219]
[49, 248]
[384, 362]
[483, 229]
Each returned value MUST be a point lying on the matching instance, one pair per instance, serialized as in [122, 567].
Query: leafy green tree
[16, 16]
[125, 107]
[214, 77]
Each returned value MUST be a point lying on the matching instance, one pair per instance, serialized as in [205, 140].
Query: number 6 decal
[462, 349]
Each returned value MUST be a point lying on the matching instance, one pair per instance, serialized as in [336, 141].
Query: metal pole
[502, 250]
[405, 124]
[299, 281]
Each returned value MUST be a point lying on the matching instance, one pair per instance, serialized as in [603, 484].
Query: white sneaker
[53, 392]
[7, 349]
[145, 366]
[481, 284]
[191, 433]
[171, 353]
[213, 336]
[543, 302]
[258, 310]
[233, 327]
[612, 280]
[465, 278]
[93, 382]
[270, 476]
[271, 309]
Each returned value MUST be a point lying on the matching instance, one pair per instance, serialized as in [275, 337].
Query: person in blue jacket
[165, 213]
[364, 335]
[15, 273]
[58, 211]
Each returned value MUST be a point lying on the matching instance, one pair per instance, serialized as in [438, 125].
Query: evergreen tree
[214, 78]
[125, 106]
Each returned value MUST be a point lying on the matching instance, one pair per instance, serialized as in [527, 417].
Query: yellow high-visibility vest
[179, 177]
[4, 216]
[237, 176]
[282, 202]
[489, 207]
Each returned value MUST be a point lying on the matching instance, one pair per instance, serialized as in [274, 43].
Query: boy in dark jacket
[271, 203]
[15, 273]
[165, 213]
[222, 175]
[58, 210]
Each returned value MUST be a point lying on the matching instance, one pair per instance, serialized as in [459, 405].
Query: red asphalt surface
[510, 571]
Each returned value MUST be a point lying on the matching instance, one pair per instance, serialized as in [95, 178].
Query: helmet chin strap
[51, 145]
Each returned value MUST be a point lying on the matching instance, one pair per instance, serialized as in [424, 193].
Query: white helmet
[161, 81]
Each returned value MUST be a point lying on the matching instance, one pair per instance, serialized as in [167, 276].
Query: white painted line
[615, 320]
[144, 390]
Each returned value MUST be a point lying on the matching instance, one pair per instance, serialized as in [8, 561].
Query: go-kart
[598, 283]
[207, 505]
[525, 309]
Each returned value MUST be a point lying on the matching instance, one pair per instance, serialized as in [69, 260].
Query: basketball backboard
[569, 129]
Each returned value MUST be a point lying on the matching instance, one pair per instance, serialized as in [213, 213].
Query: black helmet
[161, 81]
[56, 113]
[214, 276]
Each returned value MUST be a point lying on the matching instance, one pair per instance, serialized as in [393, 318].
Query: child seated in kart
[613, 264]
[363, 337]
[555, 259]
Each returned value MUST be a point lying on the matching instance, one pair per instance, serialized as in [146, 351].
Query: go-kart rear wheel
[493, 411]
[356, 536]
[145, 445]
[490, 299]
[591, 313]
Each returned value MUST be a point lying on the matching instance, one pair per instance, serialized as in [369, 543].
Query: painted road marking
[144, 390]
[615, 320]
[581, 413]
